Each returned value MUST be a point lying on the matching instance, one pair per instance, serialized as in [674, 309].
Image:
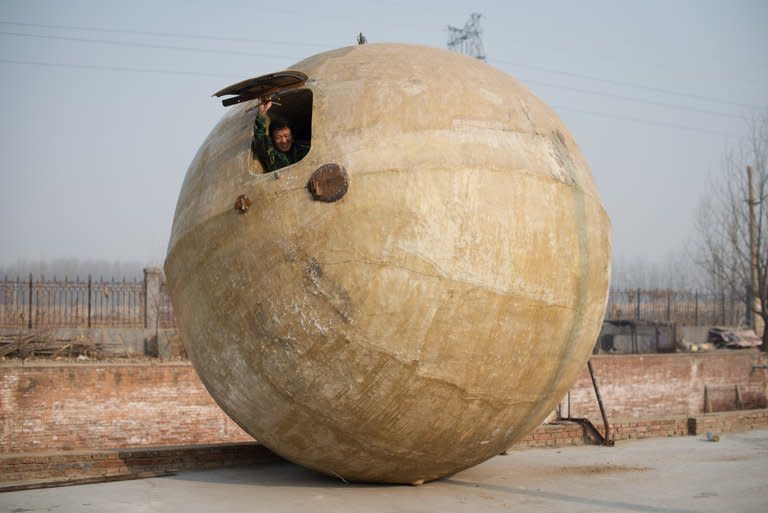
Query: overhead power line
[276, 56]
[197, 73]
[545, 84]
[469, 31]
[165, 34]
[628, 84]
[637, 100]
[146, 45]
[645, 121]
[116, 68]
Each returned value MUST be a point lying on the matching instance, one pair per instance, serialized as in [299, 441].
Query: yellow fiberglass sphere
[416, 293]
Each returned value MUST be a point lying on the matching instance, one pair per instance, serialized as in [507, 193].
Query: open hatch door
[265, 85]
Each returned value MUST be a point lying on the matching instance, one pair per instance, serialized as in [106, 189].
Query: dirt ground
[670, 475]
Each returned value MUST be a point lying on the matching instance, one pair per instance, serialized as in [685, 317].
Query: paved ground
[670, 475]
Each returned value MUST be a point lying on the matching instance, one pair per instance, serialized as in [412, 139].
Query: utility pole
[468, 40]
[757, 321]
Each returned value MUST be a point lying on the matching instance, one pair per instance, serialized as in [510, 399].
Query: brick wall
[19, 471]
[96, 406]
[666, 385]
[728, 422]
[58, 406]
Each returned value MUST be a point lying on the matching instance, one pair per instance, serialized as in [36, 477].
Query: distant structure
[468, 40]
[361, 40]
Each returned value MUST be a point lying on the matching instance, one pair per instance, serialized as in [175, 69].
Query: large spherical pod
[413, 296]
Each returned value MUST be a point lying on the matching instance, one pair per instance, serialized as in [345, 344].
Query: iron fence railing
[45, 303]
[682, 307]
[50, 303]
[41, 303]
[165, 317]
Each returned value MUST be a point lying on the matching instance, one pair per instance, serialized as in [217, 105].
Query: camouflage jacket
[270, 157]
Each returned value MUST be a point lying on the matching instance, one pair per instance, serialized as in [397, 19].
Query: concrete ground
[669, 475]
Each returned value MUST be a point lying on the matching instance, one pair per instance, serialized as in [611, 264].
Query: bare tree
[673, 271]
[723, 226]
[75, 267]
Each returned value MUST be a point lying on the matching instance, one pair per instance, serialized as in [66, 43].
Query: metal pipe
[29, 322]
[608, 440]
[586, 423]
[90, 287]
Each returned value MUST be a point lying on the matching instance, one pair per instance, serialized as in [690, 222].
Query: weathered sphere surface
[433, 315]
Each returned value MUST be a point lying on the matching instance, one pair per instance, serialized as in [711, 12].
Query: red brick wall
[18, 471]
[97, 406]
[728, 422]
[108, 405]
[665, 385]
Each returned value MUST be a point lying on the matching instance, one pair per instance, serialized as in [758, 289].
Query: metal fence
[682, 307]
[50, 303]
[41, 303]
[165, 317]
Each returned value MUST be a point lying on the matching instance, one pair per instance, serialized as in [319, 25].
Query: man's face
[283, 139]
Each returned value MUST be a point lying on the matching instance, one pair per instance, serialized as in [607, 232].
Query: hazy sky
[104, 104]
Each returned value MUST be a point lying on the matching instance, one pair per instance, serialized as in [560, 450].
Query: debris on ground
[696, 347]
[43, 343]
[733, 338]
